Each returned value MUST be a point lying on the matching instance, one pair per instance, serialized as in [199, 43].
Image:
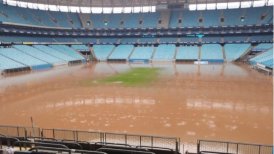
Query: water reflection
[102, 100]
[172, 69]
[104, 68]
[239, 107]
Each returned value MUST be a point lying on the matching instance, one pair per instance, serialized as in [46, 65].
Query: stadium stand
[187, 40]
[80, 47]
[147, 40]
[39, 54]
[191, 19]
[142, 53]
[261, 38]
[7, 64]
[27, 60]
[212, 53]
[166, 40]
[164, 52]
[212, 40]
[183, 18]
[108, 40]
[102, 31]
[55, 53]
[234, 51]
[187, 53]
[235, 39]
[121, 52]
[265, 58]
[210, 17]
[68, 51]
[102, 52]
[129, 40]
[263, 47]
[26, 39]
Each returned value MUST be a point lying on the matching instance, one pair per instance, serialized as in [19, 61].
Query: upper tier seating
[142, 53]
[102, 51]
[164, 52]
[121, 52]
[234, 51]
[230, 17]
[212, 53]
[25, 59]
[178, 18]
[187, 53]
[39, 18]
[39, 54]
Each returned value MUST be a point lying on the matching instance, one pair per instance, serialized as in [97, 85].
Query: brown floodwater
[220, 102]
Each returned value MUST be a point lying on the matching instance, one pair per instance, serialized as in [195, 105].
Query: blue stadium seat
[39, 54]
[142, 53]
[20, 57]
[263, 47]
[164, 52]
[80, 47]
[7, 63]
[212, 53]
[54, 53]
[234, 51]
[102, 51]
[265, 58]
[68, 51]
[121, 52]
[187, 53]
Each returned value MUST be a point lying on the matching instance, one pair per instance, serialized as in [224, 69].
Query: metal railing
[19, 131]
[232, 147]
[104, 137]
[156, 142]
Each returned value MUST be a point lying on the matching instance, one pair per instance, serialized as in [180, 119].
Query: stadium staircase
[54, 20]
[85, 18]
[199, 55]
[92, 55]
[153, 53]
[164, 17]
[111, 52]
[223, 52]
[131, 52]
[176, 52]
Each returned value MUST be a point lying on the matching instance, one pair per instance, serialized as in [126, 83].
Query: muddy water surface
[220, 102]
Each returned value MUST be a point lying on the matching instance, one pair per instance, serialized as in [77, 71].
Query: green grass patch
[133, 77]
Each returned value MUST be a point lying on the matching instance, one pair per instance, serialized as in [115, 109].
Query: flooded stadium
[230, 102]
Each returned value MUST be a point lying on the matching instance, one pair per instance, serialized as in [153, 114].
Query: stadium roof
[124, 3]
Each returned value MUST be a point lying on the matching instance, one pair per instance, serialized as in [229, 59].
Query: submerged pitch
[133, 77]
[217, 102]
